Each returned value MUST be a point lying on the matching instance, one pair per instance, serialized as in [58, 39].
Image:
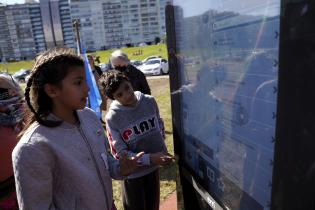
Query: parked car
[21, 75]
[142, 44]
[136, 63]
[151, 57]
[155, 66]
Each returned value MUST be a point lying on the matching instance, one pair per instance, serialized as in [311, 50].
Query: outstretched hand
[161, 158]
[129, 164]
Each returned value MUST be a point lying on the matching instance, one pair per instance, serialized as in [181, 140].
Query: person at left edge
[11, 123]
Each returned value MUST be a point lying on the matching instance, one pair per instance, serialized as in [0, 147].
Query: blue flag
[95, 100]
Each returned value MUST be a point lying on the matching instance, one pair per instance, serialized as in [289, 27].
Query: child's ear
[51, 90]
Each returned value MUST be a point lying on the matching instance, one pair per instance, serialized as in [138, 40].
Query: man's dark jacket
[137, 79]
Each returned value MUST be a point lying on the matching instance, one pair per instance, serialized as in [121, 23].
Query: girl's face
[73, 92]
[125, 95]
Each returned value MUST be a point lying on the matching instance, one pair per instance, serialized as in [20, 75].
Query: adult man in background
[119, 61]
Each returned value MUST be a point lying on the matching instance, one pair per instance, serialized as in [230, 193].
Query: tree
[157, 40]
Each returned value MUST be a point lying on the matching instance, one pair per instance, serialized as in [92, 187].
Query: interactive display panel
[228, 54]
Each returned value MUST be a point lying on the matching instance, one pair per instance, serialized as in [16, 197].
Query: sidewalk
[170, 203]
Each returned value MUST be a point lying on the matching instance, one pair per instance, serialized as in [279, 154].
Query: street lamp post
[4, 61]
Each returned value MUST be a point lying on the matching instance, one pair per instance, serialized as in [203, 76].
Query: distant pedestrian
[120, 61]
[97, 72]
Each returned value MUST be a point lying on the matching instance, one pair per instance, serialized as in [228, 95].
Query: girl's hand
[161, 158]
[129, 164]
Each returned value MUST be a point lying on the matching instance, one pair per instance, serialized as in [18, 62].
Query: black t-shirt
[137, 80]
[98, 70]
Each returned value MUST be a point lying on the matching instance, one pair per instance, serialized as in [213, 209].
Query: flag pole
[76, 26]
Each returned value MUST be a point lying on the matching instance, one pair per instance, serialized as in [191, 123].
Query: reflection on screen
[229, 65]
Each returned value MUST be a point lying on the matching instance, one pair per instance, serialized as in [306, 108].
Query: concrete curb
[170, 203]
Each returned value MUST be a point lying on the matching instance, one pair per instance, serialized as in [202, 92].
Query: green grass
[147, 51]
[15, 66]
[168, 173]
[159, 49]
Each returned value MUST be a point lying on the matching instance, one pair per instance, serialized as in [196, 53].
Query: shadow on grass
[168, 132]
[168, 173]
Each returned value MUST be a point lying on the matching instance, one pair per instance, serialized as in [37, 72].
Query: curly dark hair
[50, 67]
[110, 81]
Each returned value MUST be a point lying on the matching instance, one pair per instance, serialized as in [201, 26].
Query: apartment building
[27, 29]
[57, 23]
[37, 27]
[20, 38]
[113, 24]
[66, 23]
[90, 14]
[5, 42]
[162, 5]
[131, 22]
[117, 23]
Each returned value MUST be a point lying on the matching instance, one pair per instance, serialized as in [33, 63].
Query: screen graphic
[228, 55]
